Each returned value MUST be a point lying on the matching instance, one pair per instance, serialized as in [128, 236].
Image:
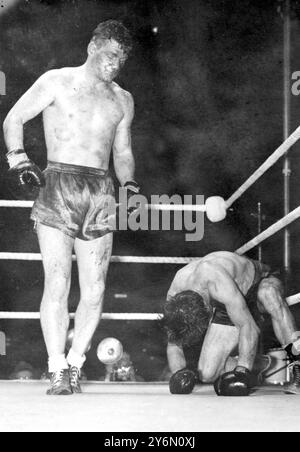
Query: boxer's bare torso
[81, 122]
[85, 113]
[199, 275]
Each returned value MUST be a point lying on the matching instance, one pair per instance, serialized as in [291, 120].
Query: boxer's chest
[95, 107]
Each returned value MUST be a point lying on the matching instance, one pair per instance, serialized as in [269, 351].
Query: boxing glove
[25, 170]
[183, 382]
[234, 384]
[133, 189]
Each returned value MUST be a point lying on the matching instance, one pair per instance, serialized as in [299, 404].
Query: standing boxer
[85, 115]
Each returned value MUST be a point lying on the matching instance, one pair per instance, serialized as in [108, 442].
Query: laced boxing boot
[60, 383]
[294, 386]
[75, 375]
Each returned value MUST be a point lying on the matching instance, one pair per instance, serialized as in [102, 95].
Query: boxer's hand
[183, 382]
[234, 384]
[133, 189]
[25, 170]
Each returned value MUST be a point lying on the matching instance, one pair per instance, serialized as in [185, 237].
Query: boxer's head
[109, 49]
[186, 318]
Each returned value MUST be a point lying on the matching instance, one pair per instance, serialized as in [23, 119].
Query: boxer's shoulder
[121, 91]
[185, 279]
[124, 96]
[56, 74]
[57, 77]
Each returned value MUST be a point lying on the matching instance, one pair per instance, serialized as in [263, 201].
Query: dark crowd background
[207, 78]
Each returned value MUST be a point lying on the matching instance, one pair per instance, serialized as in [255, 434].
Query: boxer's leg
[271, 301]
[93, 258]
[219, 343]
[56, 249]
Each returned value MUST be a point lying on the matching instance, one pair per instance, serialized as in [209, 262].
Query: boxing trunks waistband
[75, 169]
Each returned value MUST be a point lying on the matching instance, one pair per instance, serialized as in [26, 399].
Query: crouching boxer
[220, 300]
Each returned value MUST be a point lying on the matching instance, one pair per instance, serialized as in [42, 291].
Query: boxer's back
[196, 275]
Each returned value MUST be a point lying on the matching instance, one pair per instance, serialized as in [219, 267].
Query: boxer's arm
[176, 358]
[32, 103]
[122, 147]
[223, 289]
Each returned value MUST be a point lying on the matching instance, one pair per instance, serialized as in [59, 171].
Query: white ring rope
[282, 150]
[177, 207]
[114, 259]
[160, 207]
[21, 204]
[105, 316]
[5, 315]
[276, 227]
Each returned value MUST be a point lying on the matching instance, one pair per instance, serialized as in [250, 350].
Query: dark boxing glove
[183, 382]
[132, 189]
[26, 171]
[234, 384]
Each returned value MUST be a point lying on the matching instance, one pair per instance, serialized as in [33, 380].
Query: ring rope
[282, 150]
[12, 203]
[160, 207]
[105, 316]
[276, 227]
[177, 207]
[114, 259]
[5, 315]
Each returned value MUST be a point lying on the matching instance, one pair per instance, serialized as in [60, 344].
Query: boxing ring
[140, 407]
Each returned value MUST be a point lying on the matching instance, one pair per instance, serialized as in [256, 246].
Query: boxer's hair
[186, 318]
[112, 29]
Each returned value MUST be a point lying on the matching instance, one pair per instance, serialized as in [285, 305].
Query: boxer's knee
[57, 288]
[92, 296]
[208, 373]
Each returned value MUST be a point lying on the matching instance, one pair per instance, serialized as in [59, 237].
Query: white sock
[75, 360]
[57, 362]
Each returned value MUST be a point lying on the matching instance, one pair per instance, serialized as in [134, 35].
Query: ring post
[287, 127]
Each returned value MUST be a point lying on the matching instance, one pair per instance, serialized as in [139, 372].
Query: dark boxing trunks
[220, 316]
[75, 200]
